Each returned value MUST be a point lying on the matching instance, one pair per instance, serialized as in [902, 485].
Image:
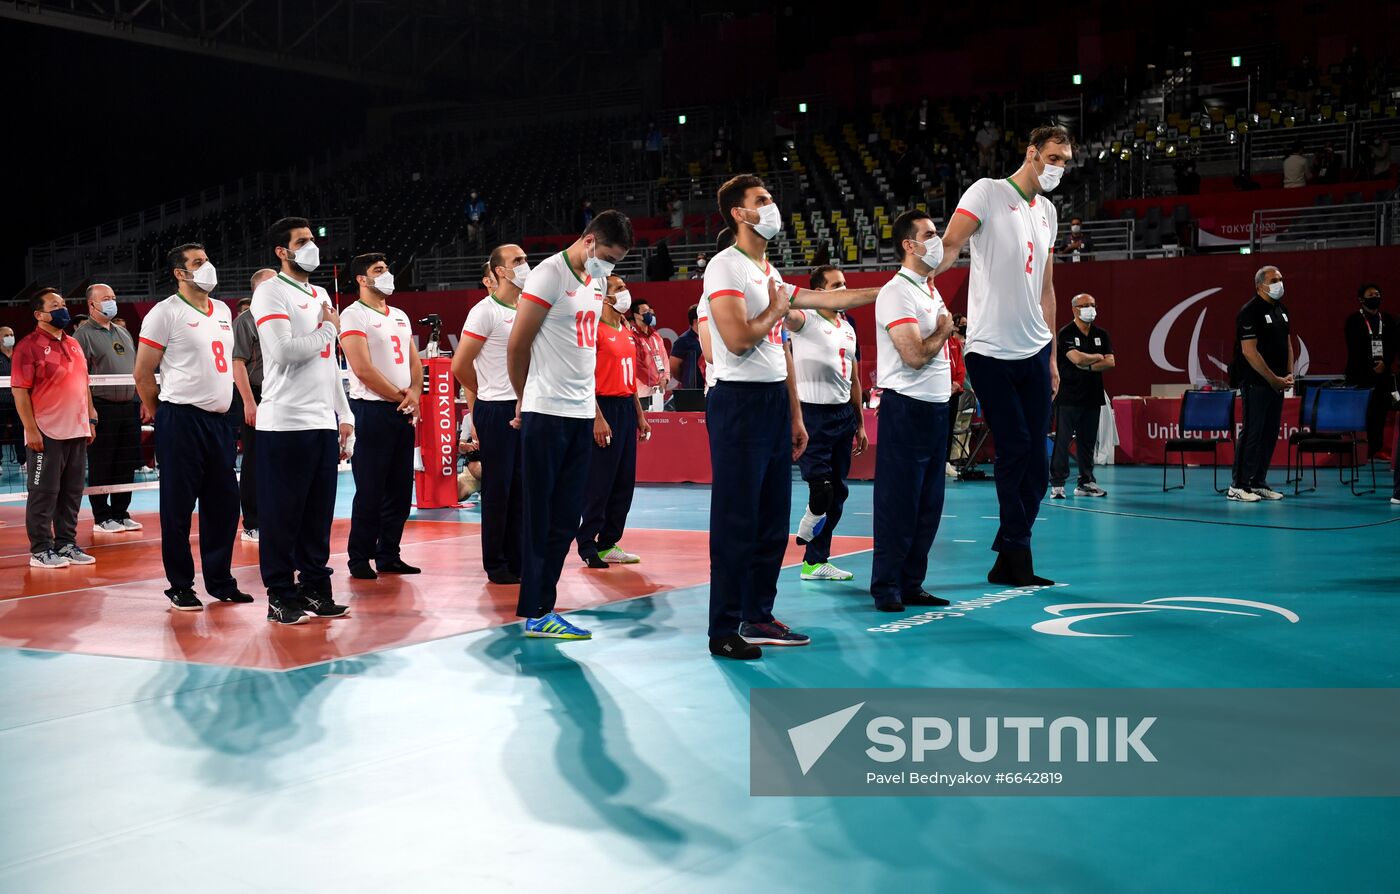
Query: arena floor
[423, 745]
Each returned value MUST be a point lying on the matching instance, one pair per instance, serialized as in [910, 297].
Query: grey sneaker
[74, 555]
[250, 535]
[1268, 494]
[1090, 490]
[110, 526]
[48, 559]
[1057, 493]
[1242, 495]
[132, 524]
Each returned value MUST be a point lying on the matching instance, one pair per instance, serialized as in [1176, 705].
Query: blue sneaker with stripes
[553, 626]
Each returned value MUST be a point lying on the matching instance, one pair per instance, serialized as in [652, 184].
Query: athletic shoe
[772, 633]
[48, 559]
[1380, 456]
[236, 596]
[183, 599]
[553, 626]
[285, 611]
[734, 646]
[950, 470]
[131, 524]
[1057, 493]
[617, 556]
[362, 571]
[1267, 494]
[250, 535]
[824, 571]
[322, 605]
[594, 561]
[74, 555]
[810, 526]
[1240, 495]
[889, 606]
[923, 597]
[110, 526]
[1395, 501]
[397, 566]
[1090, 490]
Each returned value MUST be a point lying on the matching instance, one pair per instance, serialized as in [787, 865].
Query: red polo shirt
[56, 374]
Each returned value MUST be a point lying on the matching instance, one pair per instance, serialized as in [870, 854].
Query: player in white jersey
[1010, 354]
[303, 408]
[915, 375]
[722, 241]
[480, 366]
[189, 336]
[386, 382]
[755, 429]
[825, 360]
[552, 355]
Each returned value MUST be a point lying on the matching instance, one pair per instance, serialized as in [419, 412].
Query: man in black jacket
[1372, 344]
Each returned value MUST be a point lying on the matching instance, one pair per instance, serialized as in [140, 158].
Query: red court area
[118, 607]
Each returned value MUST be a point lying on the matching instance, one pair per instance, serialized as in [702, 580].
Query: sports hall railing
[1326, 226]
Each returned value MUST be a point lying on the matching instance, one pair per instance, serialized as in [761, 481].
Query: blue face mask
[59, 318]
[649, 319]
[109, 308]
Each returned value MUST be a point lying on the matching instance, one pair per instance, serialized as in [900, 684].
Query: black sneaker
[925, 598]
[183, 599]
[505, 578]
[889, 606]
[285, 611]
[362, 571]
[734, 646]
[594, 562]
[236, 595]
[397, 566]
[772, 633]
[322, 605]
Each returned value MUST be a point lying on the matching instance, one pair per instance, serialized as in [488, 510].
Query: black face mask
[1371, 303]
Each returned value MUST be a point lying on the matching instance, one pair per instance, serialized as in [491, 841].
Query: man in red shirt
[50, 385]
[612, 469]
[653, 360]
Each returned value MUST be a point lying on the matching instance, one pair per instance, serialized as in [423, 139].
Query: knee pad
[819, 495]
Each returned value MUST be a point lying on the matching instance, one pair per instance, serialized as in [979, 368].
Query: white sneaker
[110, 526]
[250, 535]
[1240, 495]
[1267, 494]
[810, 526]
[1057, 493]
[48, 559]
[1395, 501]
[1090, 490]
[824, 571]
[131, 524]
[74, 555]
[616, 556]
[950, 470]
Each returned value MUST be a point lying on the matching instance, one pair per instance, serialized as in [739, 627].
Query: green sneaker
[615, 556]
[824, 571]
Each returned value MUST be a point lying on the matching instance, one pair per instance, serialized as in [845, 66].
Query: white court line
[992, 517]
[964, 541]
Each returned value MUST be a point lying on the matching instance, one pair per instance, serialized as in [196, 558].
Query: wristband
[92, 422]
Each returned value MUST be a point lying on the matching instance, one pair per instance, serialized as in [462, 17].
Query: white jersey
[301, 376]
[702, 317]
[824, 358]
[197, 366]
[909, 300]
[1011, 256]
[564, 355]
[390, 340]
[490, 323]
[733, 273]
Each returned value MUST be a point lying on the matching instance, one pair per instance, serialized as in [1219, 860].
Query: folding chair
[1307, 424]
[1201, 411]
[1340, 426]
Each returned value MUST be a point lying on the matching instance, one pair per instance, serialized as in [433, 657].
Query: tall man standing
[552, 356]
[386, 381]
[1083, 352]
[1372, 344]
[189, 336]
[115, 455]
[302, 409]
[1011, 319]
[480, 366]
[1263, 370]
[248, 379]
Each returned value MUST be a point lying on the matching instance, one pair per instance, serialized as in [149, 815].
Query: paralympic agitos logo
[1157, 343]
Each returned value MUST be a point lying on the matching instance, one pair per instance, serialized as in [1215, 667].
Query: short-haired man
[189, 337]
[304, 422]
[552, 356]
[913, 326]
[386, 382]
[248, 379]
[1083, 352]
[1011, 323]
[50, 387]
[687, 357]
[825, 363]
[115, 454]
[1373, 342]
[480, 366]
[1263, 370]
[653, 360]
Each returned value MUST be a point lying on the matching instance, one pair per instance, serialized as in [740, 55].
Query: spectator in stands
[584, 217]
[51, 395]
[1188, 182]
[1372, 345]
[1326, 166]
[1304, 81]
[700, 262]
[1295, 167]
[1380, 156]
[987, 139]
[660, 267]
[115, 455]
[676, 209]
[248, 382]
[653, 360]
[476, 220]
[1077, 242]
[686, 355]
[9, 420]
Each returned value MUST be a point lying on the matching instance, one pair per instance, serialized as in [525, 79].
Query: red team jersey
[55, 372]
[616, 373]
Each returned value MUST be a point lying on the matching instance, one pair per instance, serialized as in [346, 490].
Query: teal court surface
[487, 762]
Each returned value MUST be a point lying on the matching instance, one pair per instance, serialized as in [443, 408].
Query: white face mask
[1087, 314]
[598, 268]
[8, 341]
[770, 221]
[933, 252]
[1050, 177]
[108, 308]
[308, 257]
[384, 283]
[1276, 290]
[206, 277]
[518, 274]
[1074, 228]
[622, 301]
